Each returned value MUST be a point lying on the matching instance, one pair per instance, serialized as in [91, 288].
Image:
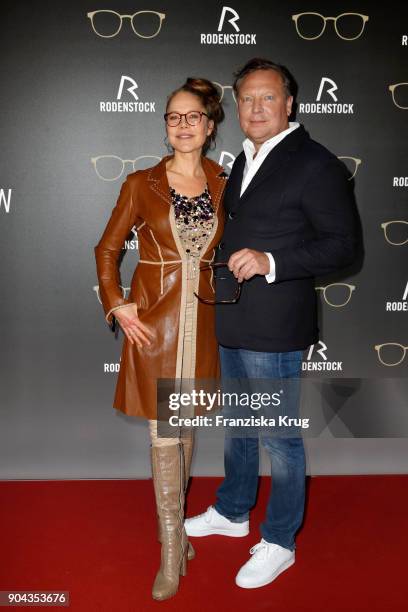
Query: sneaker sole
[224, 532]
[276, 574]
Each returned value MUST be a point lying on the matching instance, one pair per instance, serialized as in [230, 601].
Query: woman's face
[185, 137]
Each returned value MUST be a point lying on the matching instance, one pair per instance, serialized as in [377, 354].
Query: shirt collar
[267, 146]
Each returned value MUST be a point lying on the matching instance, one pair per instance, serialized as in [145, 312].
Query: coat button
[232, 215]
[221, 245]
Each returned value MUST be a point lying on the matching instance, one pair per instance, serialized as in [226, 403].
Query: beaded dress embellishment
[194, 219]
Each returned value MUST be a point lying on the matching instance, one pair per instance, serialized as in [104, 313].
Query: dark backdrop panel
[56, 415]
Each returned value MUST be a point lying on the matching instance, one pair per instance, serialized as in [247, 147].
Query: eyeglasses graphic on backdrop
[107, 23]
[396, 232]
[222, 88]
[233, 290]
[124, 292]
[192, 118]
[337, 294]
[391, 353]
[352, 164]
[111, 167]
[399, 92]
[348, 26]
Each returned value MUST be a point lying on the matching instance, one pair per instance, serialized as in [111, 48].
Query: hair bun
[204, 86]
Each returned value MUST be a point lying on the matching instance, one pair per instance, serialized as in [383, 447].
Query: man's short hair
[259, 63]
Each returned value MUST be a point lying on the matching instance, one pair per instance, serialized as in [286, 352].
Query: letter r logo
[321, 351]
[329, 90]
[130, 89]
[225, 155]
[232, 20]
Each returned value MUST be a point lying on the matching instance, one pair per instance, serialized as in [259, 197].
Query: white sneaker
[267, 562]
[212, 522]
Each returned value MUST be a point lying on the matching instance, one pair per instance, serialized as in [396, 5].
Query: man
[290, 217]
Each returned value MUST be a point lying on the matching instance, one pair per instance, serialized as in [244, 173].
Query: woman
[169, 333]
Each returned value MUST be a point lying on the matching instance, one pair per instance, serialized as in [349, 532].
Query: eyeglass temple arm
[218, 264]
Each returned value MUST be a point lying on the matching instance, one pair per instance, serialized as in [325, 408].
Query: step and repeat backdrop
[84, 87]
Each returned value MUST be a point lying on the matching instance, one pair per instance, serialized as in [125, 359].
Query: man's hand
[244, 264]
[134, 329]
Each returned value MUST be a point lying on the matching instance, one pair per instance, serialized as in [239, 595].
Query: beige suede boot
[188, 444]
[168, 480]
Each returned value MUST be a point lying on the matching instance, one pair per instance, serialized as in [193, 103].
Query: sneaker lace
[258, 551]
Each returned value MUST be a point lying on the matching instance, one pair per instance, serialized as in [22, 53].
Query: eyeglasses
[402, 89]
[111, 167]
[397, 228]
[108, 23]
[339, 293]
[352, 164]
[348, 26]
[192, 118]
[391, 353]
[222, 88]
[235, 296]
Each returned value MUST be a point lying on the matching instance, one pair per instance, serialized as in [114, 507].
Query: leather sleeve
[108, 251]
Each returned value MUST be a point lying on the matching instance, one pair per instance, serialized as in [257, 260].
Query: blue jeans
[237, 493]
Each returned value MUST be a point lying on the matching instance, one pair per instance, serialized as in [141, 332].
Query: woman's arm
[109, 247]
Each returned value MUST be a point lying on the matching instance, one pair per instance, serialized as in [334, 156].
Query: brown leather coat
[158, 285]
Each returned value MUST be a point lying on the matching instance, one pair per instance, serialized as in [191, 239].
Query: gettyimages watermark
[289, 407]
[243, 407]
[250, 409]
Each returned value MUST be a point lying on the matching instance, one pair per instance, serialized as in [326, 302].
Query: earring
[168, 145]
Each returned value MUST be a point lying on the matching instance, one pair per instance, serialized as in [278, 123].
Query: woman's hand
[131, 325]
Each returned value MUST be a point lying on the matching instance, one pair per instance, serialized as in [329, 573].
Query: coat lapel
[271, 164]
[158, 182]
[234, 182]
[216, 180]
[279, 155]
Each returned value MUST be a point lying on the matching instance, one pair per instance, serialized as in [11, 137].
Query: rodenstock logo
[231, 17]
[128, 87]
[5, 200]
[327, 88]
[324, 363]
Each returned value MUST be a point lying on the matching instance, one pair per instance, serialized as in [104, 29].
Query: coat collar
[275, 158]
[216, 179]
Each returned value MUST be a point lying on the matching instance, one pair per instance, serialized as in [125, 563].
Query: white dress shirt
[252, 165]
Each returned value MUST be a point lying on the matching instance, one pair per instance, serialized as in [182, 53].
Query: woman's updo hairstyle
[210, 99]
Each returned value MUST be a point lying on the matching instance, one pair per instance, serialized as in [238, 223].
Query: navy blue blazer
[300, 207]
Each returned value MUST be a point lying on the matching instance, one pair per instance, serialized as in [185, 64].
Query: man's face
[263, 108]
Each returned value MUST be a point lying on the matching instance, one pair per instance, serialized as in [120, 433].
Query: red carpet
[97, 539]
